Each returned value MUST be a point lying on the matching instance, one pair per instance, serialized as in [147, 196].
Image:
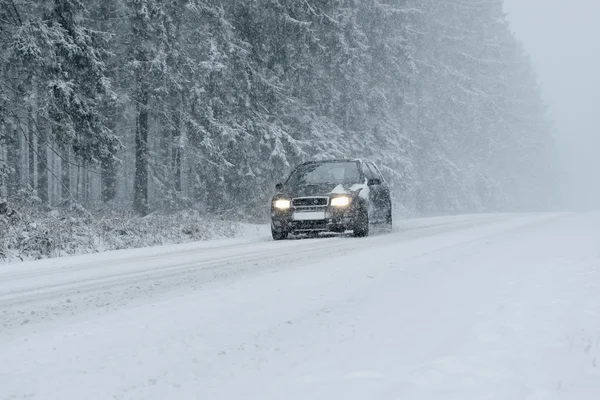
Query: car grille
[306, 226]
[310, 201]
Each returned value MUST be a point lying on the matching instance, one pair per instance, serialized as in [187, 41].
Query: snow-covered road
[467, 307]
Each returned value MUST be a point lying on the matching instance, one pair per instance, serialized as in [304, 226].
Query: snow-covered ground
[500, 307]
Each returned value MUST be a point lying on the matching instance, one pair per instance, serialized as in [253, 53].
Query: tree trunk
[140, 190]
[108, 173]
[108, 165]
[177, 151]
[78, 184]
[42, 176]
[65, 167]
[31, 148]
[87, 187]
[14, 162]
[109, 179]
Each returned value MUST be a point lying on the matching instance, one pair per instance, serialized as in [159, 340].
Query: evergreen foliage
[205, 104]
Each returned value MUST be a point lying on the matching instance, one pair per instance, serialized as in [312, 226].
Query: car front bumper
[336, 220]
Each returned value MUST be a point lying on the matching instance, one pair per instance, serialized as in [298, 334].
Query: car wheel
[361, 225]
[389, 220]
[279, 235]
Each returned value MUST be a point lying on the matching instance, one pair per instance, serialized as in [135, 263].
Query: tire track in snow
[41, 295]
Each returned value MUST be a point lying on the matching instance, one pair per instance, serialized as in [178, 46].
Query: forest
[140, 116]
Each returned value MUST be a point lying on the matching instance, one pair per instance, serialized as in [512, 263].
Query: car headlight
[282, 204]
[341, 201]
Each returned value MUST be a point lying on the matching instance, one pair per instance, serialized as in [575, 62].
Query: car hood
[323, 189]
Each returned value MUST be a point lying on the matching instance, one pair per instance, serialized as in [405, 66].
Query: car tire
[361, 225]
[279, 235]
[388, 223]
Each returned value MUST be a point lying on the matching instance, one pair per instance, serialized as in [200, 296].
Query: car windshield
[326, 172]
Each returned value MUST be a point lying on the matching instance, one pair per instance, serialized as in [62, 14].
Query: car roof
[335, 160]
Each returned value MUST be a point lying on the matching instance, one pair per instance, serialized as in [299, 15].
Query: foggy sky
[563, 40]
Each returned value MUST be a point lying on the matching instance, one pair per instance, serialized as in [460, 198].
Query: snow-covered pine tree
[49, 42]
[218, 100]
[77, 85]
[105, 17]
[465, 111]
[144, 18]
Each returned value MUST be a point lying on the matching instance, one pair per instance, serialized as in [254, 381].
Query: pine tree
[143, 17]
[208, 103]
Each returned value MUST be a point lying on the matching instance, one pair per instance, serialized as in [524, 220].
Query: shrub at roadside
[34, 232]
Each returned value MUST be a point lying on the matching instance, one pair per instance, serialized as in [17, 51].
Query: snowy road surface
[500, 307]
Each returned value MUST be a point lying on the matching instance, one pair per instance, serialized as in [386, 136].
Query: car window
[369, 172]
[326, 172]
[376, 171]
[372, 171]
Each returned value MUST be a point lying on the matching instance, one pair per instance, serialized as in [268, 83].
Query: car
[336, 196]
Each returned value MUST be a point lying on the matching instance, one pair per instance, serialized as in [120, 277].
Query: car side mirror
[279, 186]
[374, 182]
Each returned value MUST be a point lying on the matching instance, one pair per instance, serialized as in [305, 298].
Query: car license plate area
[309, 215]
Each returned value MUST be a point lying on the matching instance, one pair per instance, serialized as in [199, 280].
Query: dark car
[331, 196]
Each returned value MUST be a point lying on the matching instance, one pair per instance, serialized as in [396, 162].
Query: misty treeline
[206, 104]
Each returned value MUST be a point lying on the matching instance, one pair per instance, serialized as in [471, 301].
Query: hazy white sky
[563, 40]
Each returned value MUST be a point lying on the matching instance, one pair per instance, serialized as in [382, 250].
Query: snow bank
[31, 233]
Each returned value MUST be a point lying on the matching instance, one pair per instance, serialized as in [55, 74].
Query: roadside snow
[471, 307]
[31, 234]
